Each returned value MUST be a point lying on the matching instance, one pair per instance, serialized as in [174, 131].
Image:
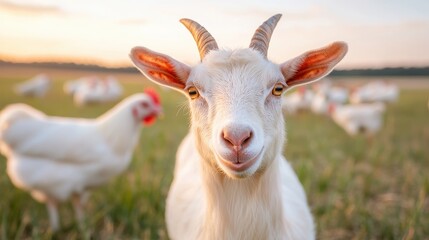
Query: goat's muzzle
[236, 140]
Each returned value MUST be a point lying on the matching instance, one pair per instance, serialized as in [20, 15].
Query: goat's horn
[203, 38]
[262, 36]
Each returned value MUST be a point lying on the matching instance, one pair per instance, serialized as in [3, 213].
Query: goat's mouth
[240, 164]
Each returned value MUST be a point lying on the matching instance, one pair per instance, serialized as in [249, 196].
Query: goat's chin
[240, 172]
[240, 175]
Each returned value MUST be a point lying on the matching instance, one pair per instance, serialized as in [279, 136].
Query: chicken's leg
[53, 214]
[78, 208]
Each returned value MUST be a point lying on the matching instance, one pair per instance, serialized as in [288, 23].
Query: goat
[230, 179]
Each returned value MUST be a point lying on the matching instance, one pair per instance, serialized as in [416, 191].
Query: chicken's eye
[144, 104]
[278, 89]
[193, 92]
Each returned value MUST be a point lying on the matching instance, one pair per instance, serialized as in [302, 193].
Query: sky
[380, 33]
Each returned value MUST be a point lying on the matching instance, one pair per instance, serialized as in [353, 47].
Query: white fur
[208, 200]
[210, 197]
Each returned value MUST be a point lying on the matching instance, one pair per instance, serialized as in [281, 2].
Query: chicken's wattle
[150, 119]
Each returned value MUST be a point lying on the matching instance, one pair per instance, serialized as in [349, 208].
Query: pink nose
[236, 136]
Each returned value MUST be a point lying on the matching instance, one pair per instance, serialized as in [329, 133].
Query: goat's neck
[119, 128]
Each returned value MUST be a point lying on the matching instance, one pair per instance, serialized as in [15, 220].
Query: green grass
[357, 189]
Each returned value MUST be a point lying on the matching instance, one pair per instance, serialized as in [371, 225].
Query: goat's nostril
[236, 138]
[227, 139]
[247, 138]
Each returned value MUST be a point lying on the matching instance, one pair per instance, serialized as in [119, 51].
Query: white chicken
[338, 94]
[322, 99]
[333, 93]
[325, 94]
[35, 87]
[297, 101]
[322, 85]
[356, 119]
[57, 158]
[377, 91]
[115, 90]
[72, 86]
[95, 90]
[320, 104]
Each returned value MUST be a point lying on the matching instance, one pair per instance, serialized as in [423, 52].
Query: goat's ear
[160, 68]
[313, 65]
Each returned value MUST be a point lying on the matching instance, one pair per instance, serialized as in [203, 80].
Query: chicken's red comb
[154, 95]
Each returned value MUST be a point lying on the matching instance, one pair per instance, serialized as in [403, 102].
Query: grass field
[356, 189]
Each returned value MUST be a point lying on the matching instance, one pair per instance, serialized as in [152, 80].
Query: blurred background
[359, 186]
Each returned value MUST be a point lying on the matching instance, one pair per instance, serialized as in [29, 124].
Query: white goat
[231, 180]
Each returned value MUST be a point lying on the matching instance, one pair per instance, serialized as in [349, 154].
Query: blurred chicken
[322, 99]
[338, 94]
[57, 158]
[377, 91]
[325, 94]
[297, 101]
[35, 87]
[320, 104]
[115, 90]
[72, 86]
[332, 93]
[96, 90]
[356, 119]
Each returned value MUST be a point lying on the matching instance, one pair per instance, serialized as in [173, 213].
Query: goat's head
[235, 96]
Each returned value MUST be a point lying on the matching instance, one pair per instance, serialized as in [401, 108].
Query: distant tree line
[70, 66]
[397, 71]
[394, 71]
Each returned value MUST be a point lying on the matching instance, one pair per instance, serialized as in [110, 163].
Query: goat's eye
[278, 89]
[193, 92]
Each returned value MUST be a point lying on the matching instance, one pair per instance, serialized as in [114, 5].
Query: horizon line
[107, 65]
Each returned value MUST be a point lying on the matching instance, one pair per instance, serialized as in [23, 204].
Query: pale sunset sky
[380, 33]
